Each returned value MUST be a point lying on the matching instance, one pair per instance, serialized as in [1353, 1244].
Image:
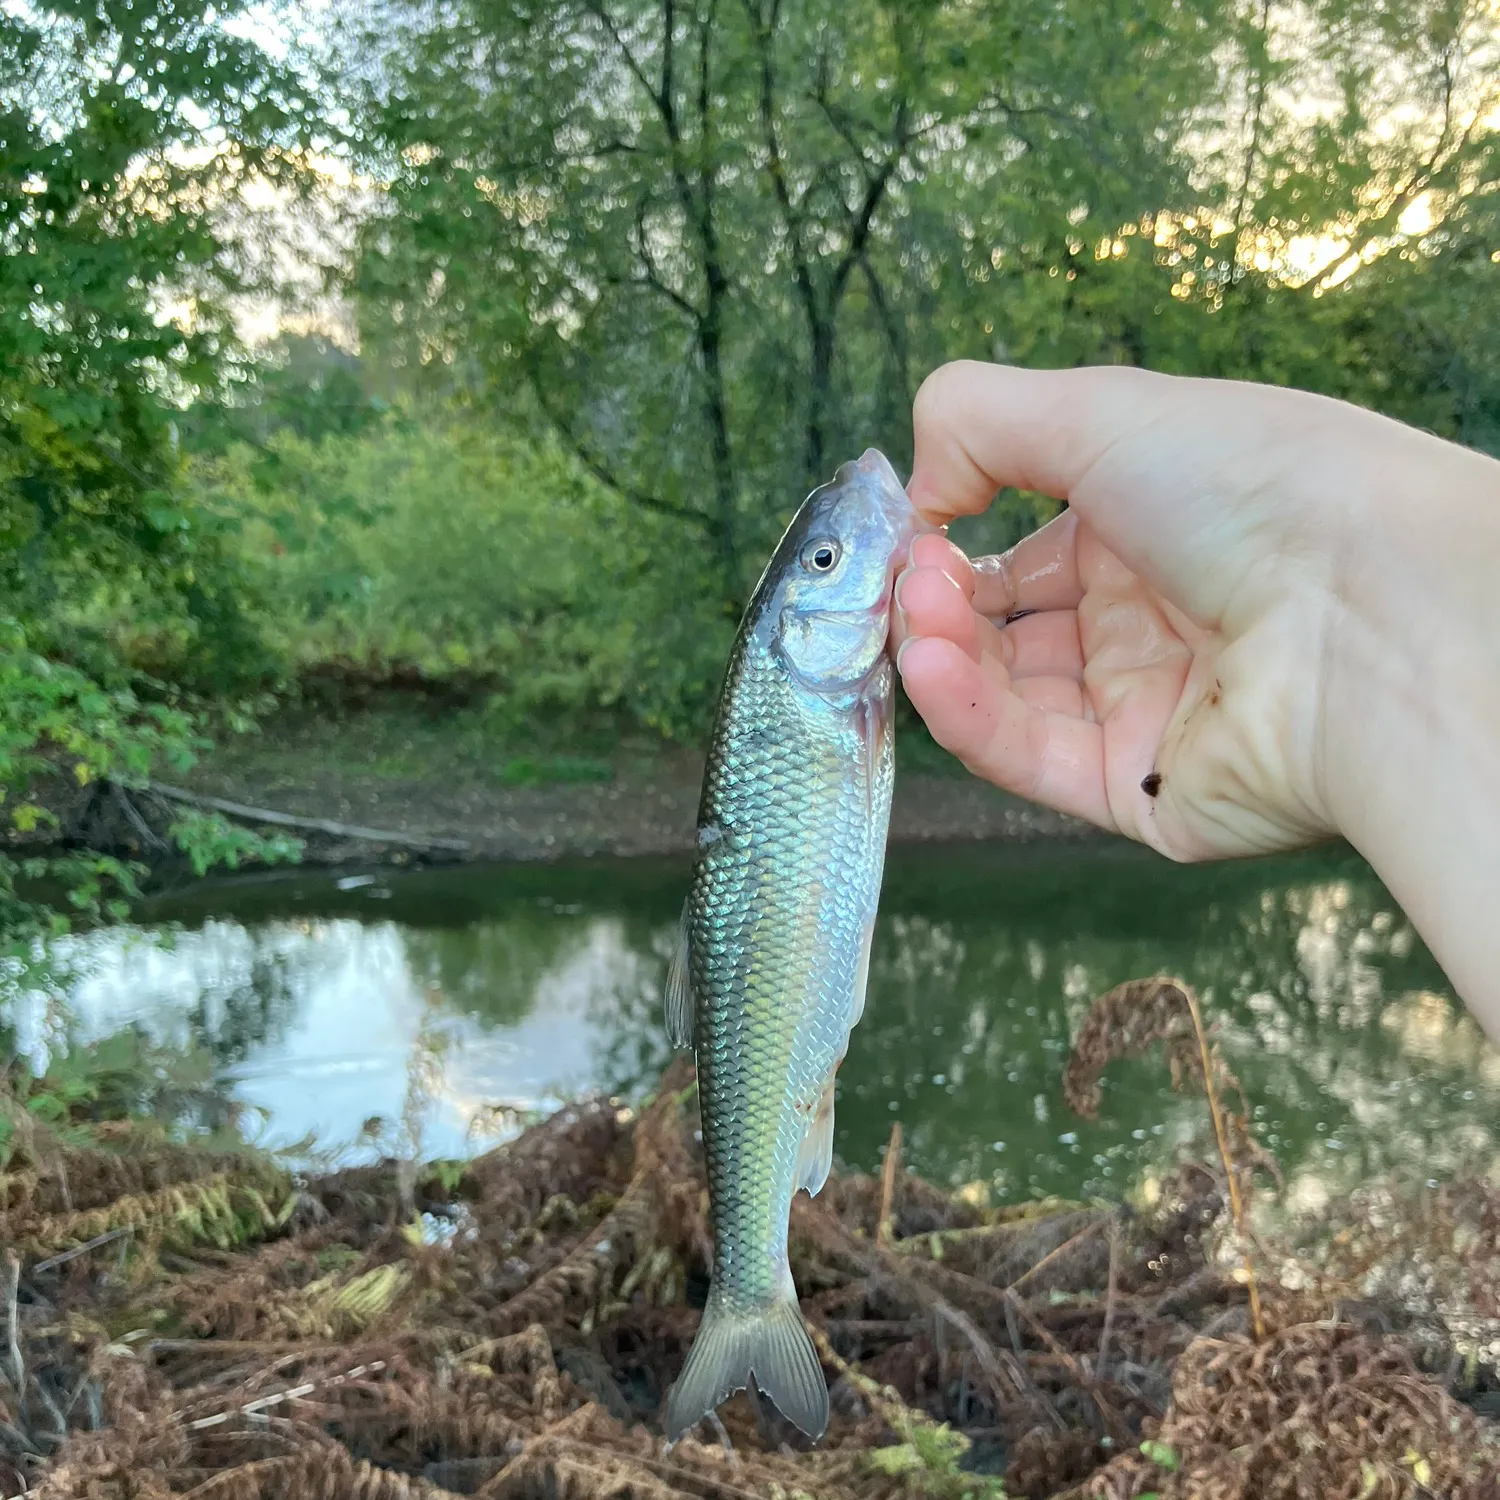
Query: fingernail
[901, 649]
[901, 578]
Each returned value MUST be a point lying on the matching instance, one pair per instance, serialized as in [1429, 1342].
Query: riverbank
[184, 1315]
[431, 777]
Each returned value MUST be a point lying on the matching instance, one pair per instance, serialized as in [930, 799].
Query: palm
[1060, 674]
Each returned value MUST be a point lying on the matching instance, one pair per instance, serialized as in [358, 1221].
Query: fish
[772, 958]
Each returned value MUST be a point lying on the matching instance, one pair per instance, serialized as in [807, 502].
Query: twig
[1052, 1254]
[1236, 1206]
[258, 1406]
[77, 1250]
[888, 1173]
[723, 1435]
[317, 825]
[984, 1351]
[16, 1365]
[1109, 1304]
[150, 839]
[1081, 1377]
[1023, 1361]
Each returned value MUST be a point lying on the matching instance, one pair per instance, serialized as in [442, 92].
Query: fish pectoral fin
[815, 1156]
[875, 731]
[679, 997]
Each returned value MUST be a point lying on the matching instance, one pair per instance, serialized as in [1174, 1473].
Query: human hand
[1215, 614]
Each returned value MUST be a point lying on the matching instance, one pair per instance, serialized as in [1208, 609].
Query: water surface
[429, 1010]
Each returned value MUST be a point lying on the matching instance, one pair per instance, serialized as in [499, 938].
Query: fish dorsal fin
[815, 1158]
[679, 998]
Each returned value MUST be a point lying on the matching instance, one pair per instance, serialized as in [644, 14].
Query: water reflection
[402, 1023]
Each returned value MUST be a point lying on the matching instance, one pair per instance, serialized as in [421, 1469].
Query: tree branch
[599, 469]
[1422, 178]
[276, 819]
[1257, 120]
[602, 16]
[843, 128]
[894, 333]
[653, 277]
[874, 191]
[764, 30]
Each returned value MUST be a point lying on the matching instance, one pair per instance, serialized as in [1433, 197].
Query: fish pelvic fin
[771, 1343]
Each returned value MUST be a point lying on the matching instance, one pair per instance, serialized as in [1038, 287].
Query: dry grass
[325, 1347]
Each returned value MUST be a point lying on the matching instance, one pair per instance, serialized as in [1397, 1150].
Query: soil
[379, 772]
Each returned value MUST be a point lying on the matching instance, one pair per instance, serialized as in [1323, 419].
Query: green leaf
[1160, 1454]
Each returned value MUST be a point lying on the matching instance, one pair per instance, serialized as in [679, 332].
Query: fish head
[831, 578]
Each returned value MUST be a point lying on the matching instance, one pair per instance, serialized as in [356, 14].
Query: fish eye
[821, 555]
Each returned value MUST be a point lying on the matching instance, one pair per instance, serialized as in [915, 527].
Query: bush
[474, 555]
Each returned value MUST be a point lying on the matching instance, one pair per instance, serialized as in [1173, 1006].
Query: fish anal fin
[815, 1157]
[861, 974]
[679, 995]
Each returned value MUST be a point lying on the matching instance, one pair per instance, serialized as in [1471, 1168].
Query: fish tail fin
[771, 1343]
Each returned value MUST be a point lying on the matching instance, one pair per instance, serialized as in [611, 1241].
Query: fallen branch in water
[250, 814]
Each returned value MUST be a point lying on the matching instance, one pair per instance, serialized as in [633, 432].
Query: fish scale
[777, 924]
[786, 890]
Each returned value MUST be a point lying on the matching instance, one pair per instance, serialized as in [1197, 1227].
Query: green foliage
[630, 277]
[208, 839]
[129, 134]
[718, 245]
[1161, 1454]
[122, 1077]
[528, 770]
[436, 543]
[931, 1456]
[58, 725]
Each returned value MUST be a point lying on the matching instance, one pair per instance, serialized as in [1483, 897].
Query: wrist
[1411, 719]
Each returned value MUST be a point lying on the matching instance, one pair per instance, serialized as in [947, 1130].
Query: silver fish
[774, 951]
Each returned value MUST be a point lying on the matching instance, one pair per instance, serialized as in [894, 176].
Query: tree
[126, 129]
[716, 239]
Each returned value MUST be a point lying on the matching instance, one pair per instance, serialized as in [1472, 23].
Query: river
[432, 1011]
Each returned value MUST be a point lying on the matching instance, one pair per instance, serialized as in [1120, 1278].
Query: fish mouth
[872, 474]
[874, 469]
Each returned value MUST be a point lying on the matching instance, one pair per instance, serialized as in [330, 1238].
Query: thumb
[1187, 481]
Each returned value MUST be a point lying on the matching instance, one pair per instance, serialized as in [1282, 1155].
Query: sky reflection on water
[398, 1013]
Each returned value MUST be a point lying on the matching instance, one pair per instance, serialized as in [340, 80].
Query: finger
[1044, 645]
[972, 711]
[1183, 479]
[933, 550]
[1055, 695]
[979, 428]
[1039, 572]
[929, 603]
[933, 553]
